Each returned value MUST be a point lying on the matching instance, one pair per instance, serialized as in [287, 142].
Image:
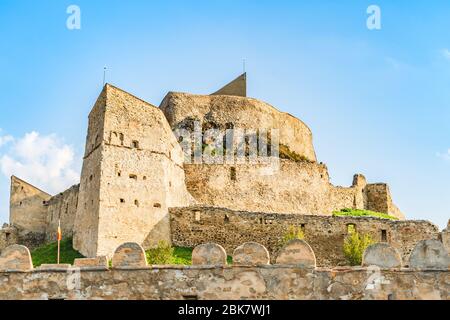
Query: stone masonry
[254, 279]
[195, 225]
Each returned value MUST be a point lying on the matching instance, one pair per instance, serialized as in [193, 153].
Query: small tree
[293, 232]
[355, 245]
[162, 254]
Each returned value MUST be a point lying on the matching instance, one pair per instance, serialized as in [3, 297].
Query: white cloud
[446, 53]
[445, 155]
[44, 161]
[5, 139]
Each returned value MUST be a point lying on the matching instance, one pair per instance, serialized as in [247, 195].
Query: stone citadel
[136, 186]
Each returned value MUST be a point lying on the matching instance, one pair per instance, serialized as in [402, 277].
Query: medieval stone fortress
[137, 188]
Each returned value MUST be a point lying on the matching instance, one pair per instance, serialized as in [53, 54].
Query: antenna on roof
[104, 75]
[243, 65]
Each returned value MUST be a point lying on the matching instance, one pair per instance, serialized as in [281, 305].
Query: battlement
[293, 276]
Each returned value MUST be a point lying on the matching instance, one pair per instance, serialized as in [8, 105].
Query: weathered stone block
[446, 239]
[98, 262]
[16, 258]
[55, 267]
[429, 254]
[382, 255]
[251, 253]
[129, 255]
[297, 252]
[209, 254]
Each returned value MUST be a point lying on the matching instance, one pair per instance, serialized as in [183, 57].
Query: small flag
[59, 234]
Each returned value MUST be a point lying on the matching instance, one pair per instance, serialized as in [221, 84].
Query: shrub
[354, 247]
[162, 254]
[294, 232]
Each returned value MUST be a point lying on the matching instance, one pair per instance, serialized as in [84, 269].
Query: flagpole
[59, 237]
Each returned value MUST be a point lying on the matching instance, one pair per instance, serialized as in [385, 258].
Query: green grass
[362, 213]
[183, 256]
[47, 254]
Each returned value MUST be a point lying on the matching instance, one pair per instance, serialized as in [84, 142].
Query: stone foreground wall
[251, 277]
[204, 283]
[192, 226]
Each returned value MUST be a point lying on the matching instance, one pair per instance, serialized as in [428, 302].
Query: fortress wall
[296, 187]
[241, 112]
[233, 283]
[28, 207]
[62, 207]
[192, 226]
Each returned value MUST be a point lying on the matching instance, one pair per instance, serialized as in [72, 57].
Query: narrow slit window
[384, 235]
[133, 176]
[122, 200]
[135, 144]
[233, 173]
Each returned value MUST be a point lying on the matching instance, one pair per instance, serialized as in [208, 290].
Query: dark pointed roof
[237, 87]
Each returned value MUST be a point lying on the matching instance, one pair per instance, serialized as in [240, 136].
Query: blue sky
[377, 101]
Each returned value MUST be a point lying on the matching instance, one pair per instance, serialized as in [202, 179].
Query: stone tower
[132, 172]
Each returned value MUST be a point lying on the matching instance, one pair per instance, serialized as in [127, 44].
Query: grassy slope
[362, 213]
[47, 254]
[183, 256]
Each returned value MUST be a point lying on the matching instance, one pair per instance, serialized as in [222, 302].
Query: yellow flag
[59, 234]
